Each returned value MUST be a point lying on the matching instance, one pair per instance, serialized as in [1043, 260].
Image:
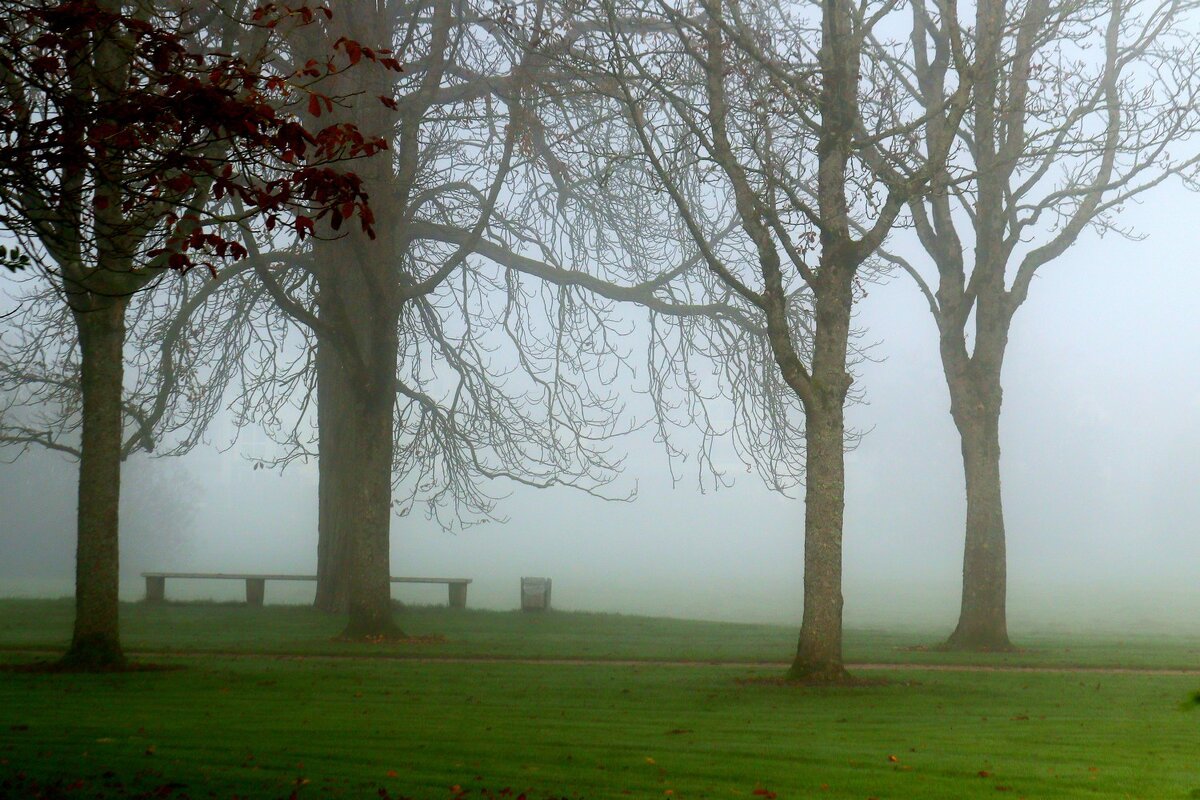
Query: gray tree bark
[819, 651]
[370, 512]
[95, 639]
[356, 375]
[975, 401]
[334, 467]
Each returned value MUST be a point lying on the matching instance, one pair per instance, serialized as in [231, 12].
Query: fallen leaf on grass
[983, 773]
[893, 759]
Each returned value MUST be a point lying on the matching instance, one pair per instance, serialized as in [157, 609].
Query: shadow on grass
[55, 667]
[848, 682]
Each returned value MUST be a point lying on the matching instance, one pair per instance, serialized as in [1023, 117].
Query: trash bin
[535, 594]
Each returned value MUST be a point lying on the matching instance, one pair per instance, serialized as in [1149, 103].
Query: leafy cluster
[121, 128]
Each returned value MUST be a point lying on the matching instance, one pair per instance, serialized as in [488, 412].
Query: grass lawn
[294, 721]
[300, 630]
[266, 726]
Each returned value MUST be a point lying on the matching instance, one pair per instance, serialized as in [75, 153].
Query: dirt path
[630, 662]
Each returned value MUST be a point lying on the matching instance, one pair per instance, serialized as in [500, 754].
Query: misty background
[1101, 457]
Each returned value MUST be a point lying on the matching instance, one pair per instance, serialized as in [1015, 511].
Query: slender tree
[1080, 107]
[782, 123]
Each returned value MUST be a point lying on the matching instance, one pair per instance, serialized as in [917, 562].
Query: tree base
[93, 654]
[819, 674]
[978, 641]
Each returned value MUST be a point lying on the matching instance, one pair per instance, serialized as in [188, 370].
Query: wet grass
[208, 627]
[265, 727]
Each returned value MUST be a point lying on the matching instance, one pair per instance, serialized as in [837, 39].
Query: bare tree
[402, 344]
[509, 361]
[1080, 107]
[781, 125]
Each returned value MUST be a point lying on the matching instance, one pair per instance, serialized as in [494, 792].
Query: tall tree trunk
[335, 468]
[982, 623]
[974, 381]
[356, 373]
[358, 308]
[369, 473]
[819, 652]
[95, 641]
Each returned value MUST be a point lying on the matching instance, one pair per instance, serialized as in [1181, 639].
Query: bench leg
[256, 588]
[458, 595]
[156, 590]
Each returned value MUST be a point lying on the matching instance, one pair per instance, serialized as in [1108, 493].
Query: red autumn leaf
[180, 183]
[314, 104]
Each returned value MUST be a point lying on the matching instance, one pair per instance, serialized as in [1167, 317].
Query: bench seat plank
[256, 584]
[265, 577]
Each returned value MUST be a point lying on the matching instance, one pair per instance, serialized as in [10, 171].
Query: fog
[1101, 440]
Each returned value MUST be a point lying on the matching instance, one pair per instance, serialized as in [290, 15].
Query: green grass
[46, 624]
[291, 720]
[260, 727]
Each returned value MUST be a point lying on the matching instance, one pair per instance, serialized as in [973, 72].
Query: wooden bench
[156, 584]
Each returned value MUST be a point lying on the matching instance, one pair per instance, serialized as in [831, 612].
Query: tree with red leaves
[137, 139]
